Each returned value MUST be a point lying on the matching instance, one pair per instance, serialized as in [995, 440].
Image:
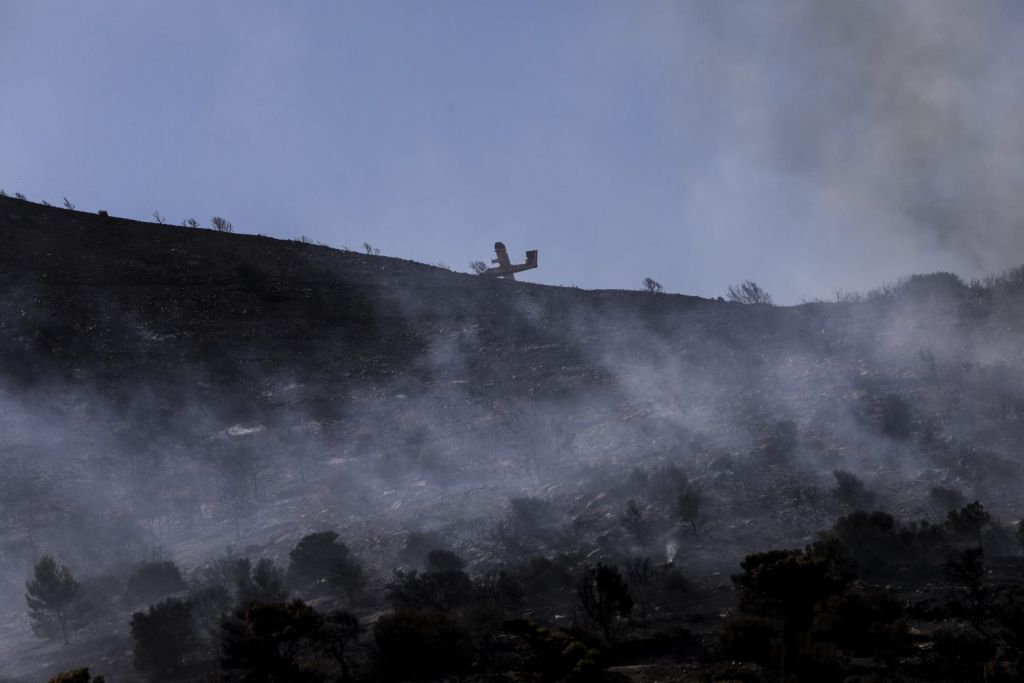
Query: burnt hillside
[167, 392]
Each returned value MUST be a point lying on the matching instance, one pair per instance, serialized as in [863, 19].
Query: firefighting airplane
[505, 269]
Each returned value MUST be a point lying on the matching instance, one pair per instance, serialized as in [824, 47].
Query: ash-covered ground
[181, 395]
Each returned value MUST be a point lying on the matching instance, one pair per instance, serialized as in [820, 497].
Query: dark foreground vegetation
[232, 458]
[873, 598]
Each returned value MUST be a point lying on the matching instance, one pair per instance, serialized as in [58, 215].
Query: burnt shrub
[945, 499]
[271, 642]
[541, 577]
[751, 639]
[151, 581]
[895, 417]
[553, 655]
[419, 544]
[880, 546]
[432, 590]
[320, 560]
[444, 561]
[605, 600]
[780, 441]
[410, 645]
[851, 490]
[865, 624]
[164, 635]
[76, 676]
[787, 585]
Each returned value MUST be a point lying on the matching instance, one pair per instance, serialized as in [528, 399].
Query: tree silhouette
[50, 593]
[419, 646]
[151, 581]
[688, 506]
[163, 635]
[787, 585]
[221, 224]
[264, 583]
[653, 286]
[432, 590]
[748, 292]
[605, 598]
[340, 630]
[314, 558]
[271, 642]
[969, 521]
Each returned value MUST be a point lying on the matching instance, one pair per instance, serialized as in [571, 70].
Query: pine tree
[50, 594]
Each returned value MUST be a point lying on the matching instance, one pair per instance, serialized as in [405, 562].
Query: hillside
[170, 391]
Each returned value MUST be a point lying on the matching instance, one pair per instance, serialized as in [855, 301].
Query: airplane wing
[502, 254]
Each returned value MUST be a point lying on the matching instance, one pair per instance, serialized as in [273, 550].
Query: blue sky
[808, 146]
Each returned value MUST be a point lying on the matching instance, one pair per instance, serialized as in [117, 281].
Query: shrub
[751, 639]
[478, 267]
[781, 441]
[151, 581]
[554, 655]
[420, 645]
[221, 225]
[605, 599]
[748, 292]
[76, 676]
[851, 490]
[968, 522]
[51, 594]
[634, 521]
[271, 642]
[444, 561]
[315, 558]
[653, 286]
[946, 499]
[688, 506]
[437, 590]
[895, 417]
[264, 583]
[164, 635]
[787, 585]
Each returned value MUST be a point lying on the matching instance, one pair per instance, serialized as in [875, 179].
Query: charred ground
[167, 392]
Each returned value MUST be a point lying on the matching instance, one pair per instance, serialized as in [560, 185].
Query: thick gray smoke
[887, 132]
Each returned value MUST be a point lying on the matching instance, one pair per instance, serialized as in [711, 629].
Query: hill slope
[179, 389]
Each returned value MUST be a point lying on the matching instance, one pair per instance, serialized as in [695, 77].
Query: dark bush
[151, 581]
[781, 441]
[444, 561]
[552, 655]
[748, 292]
[420, 645]
[851, 490]
[751, 639]
[895, 416]
[863, 624]
[441, 591]
[317, 558]
[605, 600]
[945, 499]
[164, 635]
[272, 642]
